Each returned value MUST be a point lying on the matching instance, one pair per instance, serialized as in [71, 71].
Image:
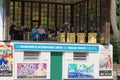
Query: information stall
[76, 45]
[91, 62]
[78, 61]
[61, 61]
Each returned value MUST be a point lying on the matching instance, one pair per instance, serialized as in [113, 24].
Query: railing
[68, 37]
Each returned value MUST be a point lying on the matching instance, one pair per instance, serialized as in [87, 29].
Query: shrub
[115, 41]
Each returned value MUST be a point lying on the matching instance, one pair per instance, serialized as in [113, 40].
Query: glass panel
[27, 14]
[35, 11]
[44, 14]
[35, 24]
[17, 13]
[67, 13]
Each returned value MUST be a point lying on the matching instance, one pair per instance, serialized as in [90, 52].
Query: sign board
[56, 47]
[105, 61]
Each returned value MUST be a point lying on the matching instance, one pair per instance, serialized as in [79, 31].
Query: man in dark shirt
[12, 31]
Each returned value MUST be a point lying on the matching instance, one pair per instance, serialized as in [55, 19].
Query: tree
[115, 38]
[115, 41]
[118, 13]
[113, 18]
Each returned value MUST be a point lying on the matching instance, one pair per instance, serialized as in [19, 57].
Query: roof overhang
[56, 1]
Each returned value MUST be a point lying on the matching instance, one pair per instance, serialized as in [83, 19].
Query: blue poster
[81, 71]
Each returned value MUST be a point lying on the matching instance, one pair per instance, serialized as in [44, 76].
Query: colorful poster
[31, 70]
[105, 62]
[81, 71]
[6, 56]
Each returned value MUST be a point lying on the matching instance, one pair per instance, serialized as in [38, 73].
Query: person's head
[47, 27]
[40, 27]
[73, 28]
[91, 28]
[34, 26]
[13, 25]
[81, 28]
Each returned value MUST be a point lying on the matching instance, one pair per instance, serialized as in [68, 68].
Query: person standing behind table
[41, 32]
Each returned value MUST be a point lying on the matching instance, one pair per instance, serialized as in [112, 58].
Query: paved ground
[116, 66]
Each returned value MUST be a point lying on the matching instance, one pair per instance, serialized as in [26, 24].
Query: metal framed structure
[80, 13]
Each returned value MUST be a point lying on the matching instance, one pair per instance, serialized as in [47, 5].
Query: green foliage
[115, 41]
[118, 12]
